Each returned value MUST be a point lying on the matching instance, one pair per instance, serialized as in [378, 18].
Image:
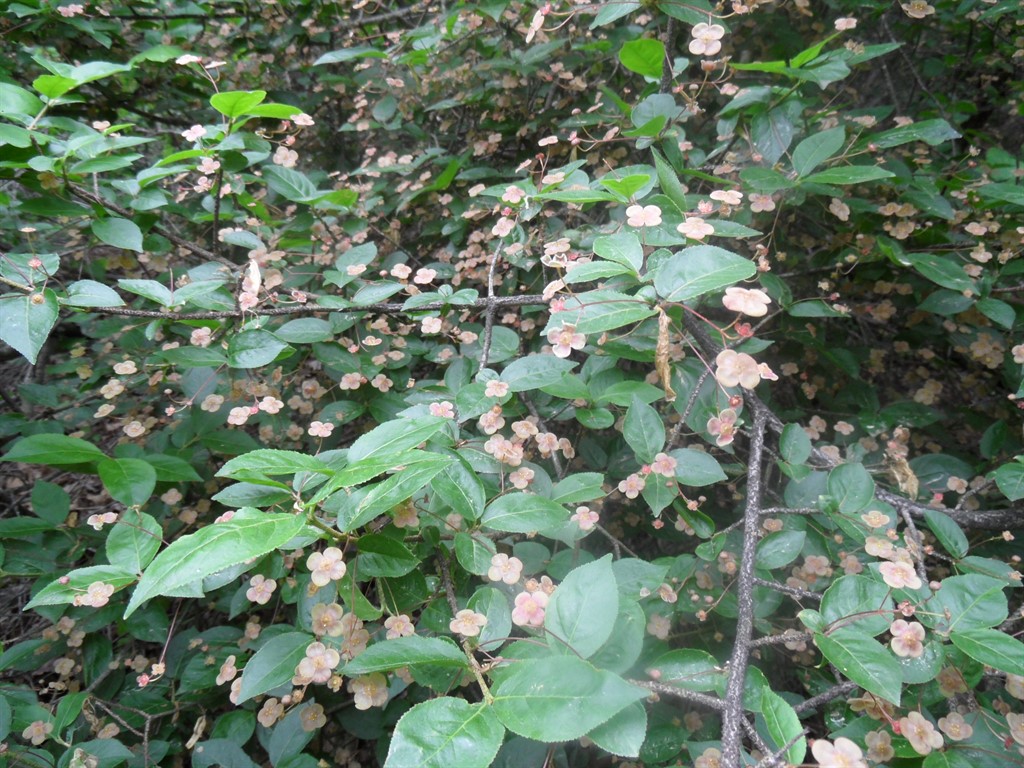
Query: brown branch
[680, 693]
[732, 713]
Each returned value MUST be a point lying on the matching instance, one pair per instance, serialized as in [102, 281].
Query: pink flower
[431, 325]
[96, 595]
[695, 228]
[302, 119]
[955, 727]
[228, 671]
[260, 589]
[468, 623]
[504, 568]
[201, 337]
[238, 416]
[547, 443]
[727, 196]
[759, 203]
[529, 609]
[319, 664]
[496, 388]
[920, 733]
[521, 478]
[326, 619]
[736, 368]
[195, 133]
[491, 421]
[369, 690]
[513, 195]
[424, 276]
[845, 23]
[503, 227]
[321, 429]
[748, 301]
[565, 339]
[632, 486]
[326, 567]
[37, 732]
[270, 405]
[585, 518]
[900, 575]
[643, 216]
[842, 753]
[706, 39]
[399, 626]
[907, 638]
[664, 465]
[445, 410]
[723, 426]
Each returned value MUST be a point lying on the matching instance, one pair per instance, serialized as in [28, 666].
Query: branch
[383, 308]
[681, 693]
[824, 698]
[732, 714]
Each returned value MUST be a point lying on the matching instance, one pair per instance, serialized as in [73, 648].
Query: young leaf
[134, 542]
[644, 56]
[250, 533]
[56, 593]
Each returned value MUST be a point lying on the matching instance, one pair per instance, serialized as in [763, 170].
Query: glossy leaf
[273, 664]
[53, 450]
[407, 651]
[863, 660]
[852, 487]
[644, 56]
[26, 321]
[694, 271]
[118, 232]
[581, 613]
[523, 513]
[445, 732]
[248, 534]
[393, 436]
[783, 726]
[133, 543]
[56, 593]
[816, 149]
[535, 371]
[991, 647]
[643, 430]
[129, 481]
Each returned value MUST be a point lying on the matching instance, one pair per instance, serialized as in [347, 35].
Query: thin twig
[485, 350]
[681, 693]
[841, 689]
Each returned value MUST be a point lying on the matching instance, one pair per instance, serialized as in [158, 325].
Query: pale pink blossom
[845, 23]
[900, 575]
[302, 119]
[695, 228]
[920, 733]
[424, 276]
[723, 426]
[747, 301]
[632, 486]
[201, 337]
[431, 325]
[643, 216]
[736, 368]
[96, 595]
[401, 271]
[491, 421]
[319, 663]
[761, 203]
[271, 405]
[585, 518]
[842, 753]
[399, 626]
[186, 59]
[529, 609]
[320, 429]
[195, 133]
[664, 465]
[503, 227]
[565, 339]
[260, 589]
[37, 732]
[706, 39]
[907, 638]
[444, 410]
[521, 478]
[505, 569]
[513, 195]
[326, 566]
[369, 690]
[955, 727]
[468, 623]
[547, 443]
[727, 196]
[496, 388]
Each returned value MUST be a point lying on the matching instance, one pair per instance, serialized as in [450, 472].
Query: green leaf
[696, 468]
[305, 330]
[848, 174]
[348, 54]
[931, 132]
[26, 321]
[474, 554]
[78, 581]
[692, 272]
[393, 436]
[623, 248]
[523, 513]
[689, 668]
[947, 532]
[149, 289]
[991, 647]
[89, 293]
[816, 149]
[600, 310]
[407, 651]
[643, 430]
[610, 11]
[861, 602]
[794, 444]
[998, 312]
[53, 450]
[396, 489]
[560, 699]
[669, 182]
[291, 184]
[18, 101]
[384, 556]
[459, 487]
[120, 233]
[644, 56]
[1003, 193]
[783, 726]
[581, 613]
[582, 486]
[134, 541]
[851, 486]
[446, 732]
[941, 270]
[780, 548]
[269, 462]
[236, 103]
[965, 603]
[129, 481]
[535, 371]
[1010, 480]
[249, 534]
[863, 660]
[624, 734]
[254, 349]
[273, 664]
[220, 752]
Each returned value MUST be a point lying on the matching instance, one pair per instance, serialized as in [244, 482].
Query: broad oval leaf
[253, 349]
[26, 321]
[129, 481]
[274, 664]
[393, 436]
[863, 660]
[250, 533]
[407, 651]
[53, 450]
[523, 513]
[992, 647]
[692, 272]
[118, 232]
[446, 732]
[581, 613]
